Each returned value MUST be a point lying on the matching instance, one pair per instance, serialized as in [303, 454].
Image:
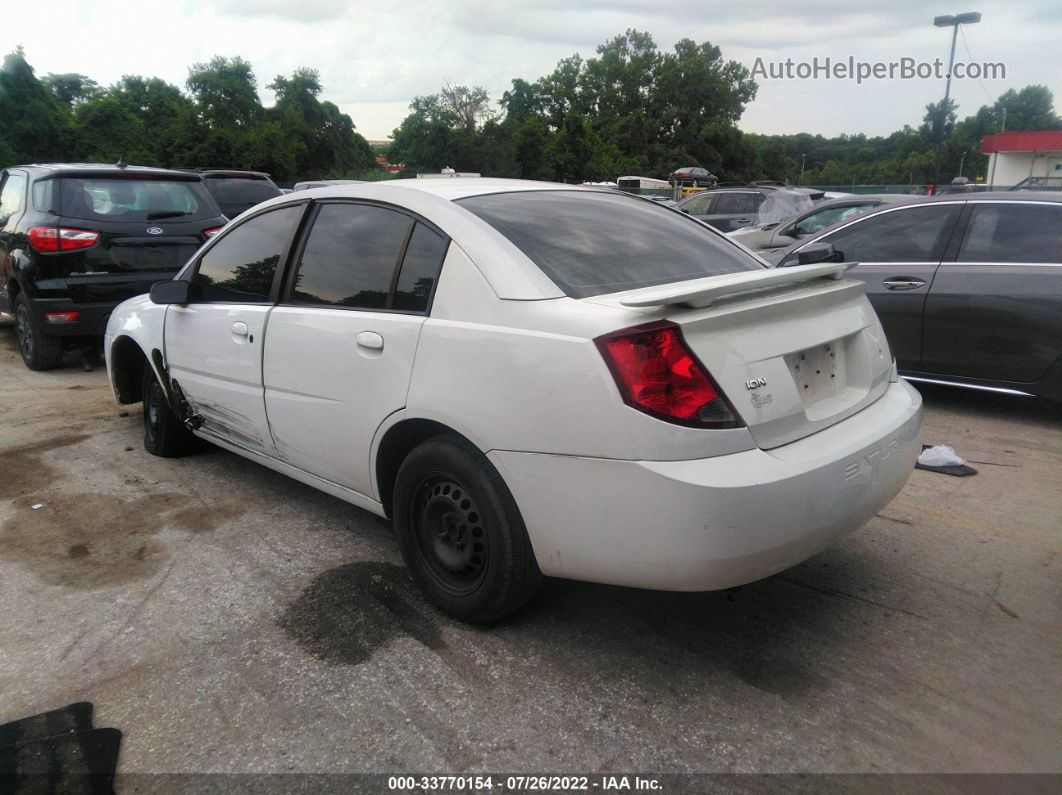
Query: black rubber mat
[58, 751]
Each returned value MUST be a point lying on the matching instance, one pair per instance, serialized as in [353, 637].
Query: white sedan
[529, 379]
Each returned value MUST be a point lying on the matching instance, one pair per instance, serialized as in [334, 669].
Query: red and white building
[1034, 158]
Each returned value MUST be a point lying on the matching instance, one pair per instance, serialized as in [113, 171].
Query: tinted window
[11, 195]
[236, 195]
[350, 256]
[1013, 233]
[735, 203]
[911, 235]
[420, 269]
[135, 199]
[240, 267]
[591, 243]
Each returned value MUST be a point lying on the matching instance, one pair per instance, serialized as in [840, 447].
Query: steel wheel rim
[449, 535]
[24, 332]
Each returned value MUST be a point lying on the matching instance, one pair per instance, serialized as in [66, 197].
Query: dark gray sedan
[968, 286]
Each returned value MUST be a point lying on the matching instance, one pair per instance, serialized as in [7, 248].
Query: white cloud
[375, 57]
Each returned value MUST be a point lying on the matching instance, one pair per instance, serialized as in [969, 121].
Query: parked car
[236, 191]
[324, 183]
[78, 239]
[779, 234]
[728, 209]
[529, 379]
[968, 286]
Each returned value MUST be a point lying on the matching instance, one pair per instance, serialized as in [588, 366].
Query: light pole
[953, 22]
[971, 17]
[801, 181]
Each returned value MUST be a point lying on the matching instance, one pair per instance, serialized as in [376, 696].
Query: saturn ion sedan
[529, 379]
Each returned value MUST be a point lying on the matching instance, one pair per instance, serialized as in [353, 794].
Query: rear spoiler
[701, 293]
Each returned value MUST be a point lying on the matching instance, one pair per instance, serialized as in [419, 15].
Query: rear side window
[134, 199]
[11, 195]
[420, 269]
[699, 204]
[735, 203]
[350, 256]
[909, 235]
[1013, 233]
[241, 266]
[592, 243]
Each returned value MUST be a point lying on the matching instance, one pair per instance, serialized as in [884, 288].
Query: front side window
[828, 217]
[11, 195]
[910, 235]
[700, 204]
[350, 256]
[1013, 233]
[592, 243]
[241, 266]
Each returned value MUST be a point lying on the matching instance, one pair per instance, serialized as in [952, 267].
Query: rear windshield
[237, 191]
[136, 199]
[592, 243]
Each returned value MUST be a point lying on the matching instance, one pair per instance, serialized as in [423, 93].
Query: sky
[374, 57]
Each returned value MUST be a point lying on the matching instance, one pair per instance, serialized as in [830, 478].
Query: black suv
[78, 239]
[236, 191]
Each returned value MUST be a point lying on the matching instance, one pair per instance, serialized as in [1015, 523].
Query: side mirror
[819, 252]
[171, 292]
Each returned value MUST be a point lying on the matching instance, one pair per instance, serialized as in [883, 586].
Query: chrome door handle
[239, 328]
[903, 284]
[370, 340]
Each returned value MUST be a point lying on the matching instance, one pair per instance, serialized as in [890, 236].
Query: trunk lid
[794, 351]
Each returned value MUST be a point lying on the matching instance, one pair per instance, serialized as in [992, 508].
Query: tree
[470, 107]
[226, 92]
[1032, 108]
[71, 88]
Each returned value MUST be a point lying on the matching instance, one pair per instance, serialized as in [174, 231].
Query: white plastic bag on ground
[940, 456]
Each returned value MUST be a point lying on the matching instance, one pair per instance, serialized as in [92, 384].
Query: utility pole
[801, 181]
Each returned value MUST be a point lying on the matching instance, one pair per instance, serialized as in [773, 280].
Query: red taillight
[211, 232]
[48, 239]
[656, 373]
[60, 317]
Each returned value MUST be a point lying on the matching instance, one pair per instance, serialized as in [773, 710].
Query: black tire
[460, 532]
[164, 435]
[39, 351]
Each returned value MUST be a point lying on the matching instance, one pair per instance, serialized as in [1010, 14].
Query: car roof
[103, 168]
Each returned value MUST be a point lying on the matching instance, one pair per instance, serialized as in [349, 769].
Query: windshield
[592, 243]
[134, 199]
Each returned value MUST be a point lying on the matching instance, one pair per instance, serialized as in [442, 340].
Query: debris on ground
[944, 459]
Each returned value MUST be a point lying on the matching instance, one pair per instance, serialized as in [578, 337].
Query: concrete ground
[228, 619]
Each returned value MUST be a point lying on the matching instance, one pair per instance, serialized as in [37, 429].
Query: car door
[12, 205]
[340, 347]
[898, 251]
[995, 312]
[214, 342]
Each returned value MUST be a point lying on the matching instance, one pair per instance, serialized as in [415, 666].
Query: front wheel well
[397, 443]
[127, 370]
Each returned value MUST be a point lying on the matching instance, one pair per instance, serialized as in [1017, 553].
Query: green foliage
[147, 121]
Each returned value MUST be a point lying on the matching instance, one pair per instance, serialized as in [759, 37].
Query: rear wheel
[39, 351]
[460, 532]
[164, 434]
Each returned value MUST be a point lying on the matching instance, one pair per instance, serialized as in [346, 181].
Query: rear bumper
[717, 522]
[93, 298]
